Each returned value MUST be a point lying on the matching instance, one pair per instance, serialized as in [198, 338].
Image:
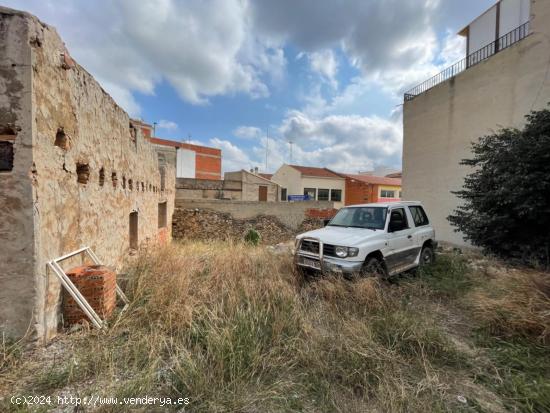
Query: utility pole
[266, 146]
[290, 146]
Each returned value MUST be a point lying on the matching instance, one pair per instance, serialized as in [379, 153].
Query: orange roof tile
[376, 180]
[318, 172]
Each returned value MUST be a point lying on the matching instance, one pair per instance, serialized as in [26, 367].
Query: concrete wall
[291, 214]
[166, 155]
[440, 123]
[88, 168]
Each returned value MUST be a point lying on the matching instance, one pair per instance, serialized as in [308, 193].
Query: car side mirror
[326, 222]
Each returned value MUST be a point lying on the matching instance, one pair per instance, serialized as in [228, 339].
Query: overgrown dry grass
[234, 328]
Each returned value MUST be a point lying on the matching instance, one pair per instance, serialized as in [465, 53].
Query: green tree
[506, 207]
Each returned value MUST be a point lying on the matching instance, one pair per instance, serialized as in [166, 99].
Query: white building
[319, 184]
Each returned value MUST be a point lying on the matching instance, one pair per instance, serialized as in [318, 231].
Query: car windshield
[360, 217]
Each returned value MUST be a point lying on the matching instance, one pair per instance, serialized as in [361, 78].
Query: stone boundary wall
[290, 214]
[192, 188]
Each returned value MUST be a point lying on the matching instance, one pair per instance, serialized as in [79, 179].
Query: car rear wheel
[427, 256]
[373, 267]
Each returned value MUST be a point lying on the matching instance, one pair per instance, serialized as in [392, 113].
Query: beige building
[319, 184]
[74, 172]
[253, 186]
[504, 76]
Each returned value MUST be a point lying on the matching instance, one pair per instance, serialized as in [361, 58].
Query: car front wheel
[373, 267]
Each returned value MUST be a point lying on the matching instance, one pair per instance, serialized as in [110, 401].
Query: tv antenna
[290, 143]
[266, 146]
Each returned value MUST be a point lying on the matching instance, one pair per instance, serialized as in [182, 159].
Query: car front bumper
[327, 264]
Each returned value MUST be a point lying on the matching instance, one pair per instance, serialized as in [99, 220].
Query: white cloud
[346, 143]
[325, 64]
[233, 157]
[203, 49]
[167, 125]
[247, 132]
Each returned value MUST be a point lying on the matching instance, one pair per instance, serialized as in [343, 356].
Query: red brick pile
[321, 213]
[97, 284]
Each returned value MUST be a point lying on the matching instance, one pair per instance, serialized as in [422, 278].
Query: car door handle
[409, 236]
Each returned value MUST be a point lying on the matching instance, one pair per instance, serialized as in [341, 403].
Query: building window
[323, 195]
[6, 156]
[163, 214]
[311, 193]
[283, 194]
[400, 194]
[336, 195]
[419, 216]
[134, 230]
[384, 193]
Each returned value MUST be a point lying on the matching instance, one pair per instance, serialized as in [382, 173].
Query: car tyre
[427, 256]
[373, 267]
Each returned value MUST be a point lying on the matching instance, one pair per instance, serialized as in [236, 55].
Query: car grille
[329, 250]
[310, 246]
[313, 248]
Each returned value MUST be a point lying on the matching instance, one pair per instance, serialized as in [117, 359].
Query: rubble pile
[204, 225]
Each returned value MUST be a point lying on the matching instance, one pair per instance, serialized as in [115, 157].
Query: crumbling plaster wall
[75, 122]
[16, 192]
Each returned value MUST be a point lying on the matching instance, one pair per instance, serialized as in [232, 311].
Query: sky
[323, 79]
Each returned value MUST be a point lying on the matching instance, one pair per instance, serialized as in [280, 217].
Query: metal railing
[471, 60]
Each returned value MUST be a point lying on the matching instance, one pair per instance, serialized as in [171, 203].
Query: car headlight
[296, 241]
[343, 252]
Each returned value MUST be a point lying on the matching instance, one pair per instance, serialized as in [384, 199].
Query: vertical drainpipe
[497, 28]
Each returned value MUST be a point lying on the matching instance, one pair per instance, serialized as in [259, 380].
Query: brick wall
[321, 213]
[208, 166]
[208, 161]
[97, 284]
[358, 192]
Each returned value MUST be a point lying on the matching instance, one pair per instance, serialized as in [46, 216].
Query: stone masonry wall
[290, 214]
[205, 225]
[88, 169]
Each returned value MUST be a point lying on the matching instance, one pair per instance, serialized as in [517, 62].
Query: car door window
[419, 216]
[398, 220]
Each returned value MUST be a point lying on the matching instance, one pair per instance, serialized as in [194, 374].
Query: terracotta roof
[318, 172]
[197, 148]
[395, 175]
[266, 176]
[376, 180]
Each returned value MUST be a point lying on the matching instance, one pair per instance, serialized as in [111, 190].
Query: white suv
[383, 239]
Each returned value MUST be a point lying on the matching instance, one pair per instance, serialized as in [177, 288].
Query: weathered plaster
[69, 214]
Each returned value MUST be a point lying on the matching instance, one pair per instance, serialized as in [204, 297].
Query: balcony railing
[471, 60]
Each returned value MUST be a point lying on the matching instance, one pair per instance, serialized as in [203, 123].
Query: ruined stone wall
[290, 214]
[192, 188]
[207, 225]
[90, 168]
[16, 192]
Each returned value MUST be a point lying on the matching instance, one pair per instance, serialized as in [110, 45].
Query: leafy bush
[507, 202]
[252, 237]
